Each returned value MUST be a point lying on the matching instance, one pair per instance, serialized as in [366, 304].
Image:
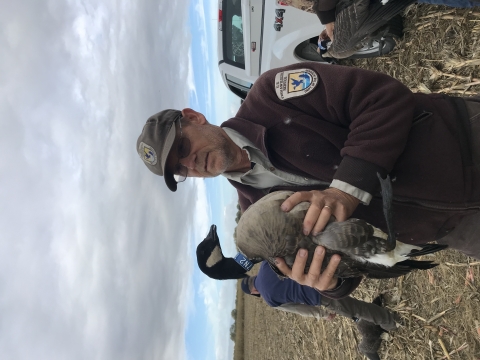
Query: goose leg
[354, 308]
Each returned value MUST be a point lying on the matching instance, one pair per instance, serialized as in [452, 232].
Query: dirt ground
[437, 306]
[440, 308]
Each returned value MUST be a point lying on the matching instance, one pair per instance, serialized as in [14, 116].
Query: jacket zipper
[433, 206]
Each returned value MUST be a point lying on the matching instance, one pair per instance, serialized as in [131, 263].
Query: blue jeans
[452, 3]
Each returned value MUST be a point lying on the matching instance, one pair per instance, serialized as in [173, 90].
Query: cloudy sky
[96, 255]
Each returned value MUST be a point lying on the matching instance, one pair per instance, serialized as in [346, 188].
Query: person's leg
[451, 3]
[353, 308]
[473, 108]
[466, 236]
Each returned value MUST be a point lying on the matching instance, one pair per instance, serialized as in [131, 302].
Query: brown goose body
[265, 232]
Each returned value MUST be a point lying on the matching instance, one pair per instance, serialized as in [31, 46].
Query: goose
[265, 232]
[357, 20]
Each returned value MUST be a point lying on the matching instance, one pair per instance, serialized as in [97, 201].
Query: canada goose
[357, 20]
[265, 232]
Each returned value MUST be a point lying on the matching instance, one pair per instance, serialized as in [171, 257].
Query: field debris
[446, 310]
[444, 349]
[439, 52]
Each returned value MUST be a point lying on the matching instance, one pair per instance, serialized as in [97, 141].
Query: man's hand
[329, 29]
[323, 205]
[315, 278]
[323, 36]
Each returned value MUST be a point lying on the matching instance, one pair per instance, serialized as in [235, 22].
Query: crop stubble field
[440, 308]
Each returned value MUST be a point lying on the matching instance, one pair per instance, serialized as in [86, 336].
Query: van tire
[307, 51]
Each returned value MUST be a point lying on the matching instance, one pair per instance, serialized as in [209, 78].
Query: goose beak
[212, 235]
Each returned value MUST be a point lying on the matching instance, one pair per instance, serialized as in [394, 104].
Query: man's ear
[194, 116]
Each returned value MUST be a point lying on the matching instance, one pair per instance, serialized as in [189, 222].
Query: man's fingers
[322, 220]
[283, 267]
[316, 265]
[311, 218]
[298, 267]
[328, 274]
[293, 200]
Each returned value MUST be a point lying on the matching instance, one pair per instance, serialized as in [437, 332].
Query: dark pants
[466, 236]
[351, 307]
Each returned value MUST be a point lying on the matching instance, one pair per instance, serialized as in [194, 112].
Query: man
[328, 139]
[287, 295]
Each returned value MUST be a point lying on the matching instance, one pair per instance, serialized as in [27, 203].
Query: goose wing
[356, 22]
[349, 17]
[353, 237]
[379, 15]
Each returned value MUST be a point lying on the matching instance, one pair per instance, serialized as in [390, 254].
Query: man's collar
[254, 133]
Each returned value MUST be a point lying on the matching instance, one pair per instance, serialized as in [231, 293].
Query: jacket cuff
[361, 195]
[360, 174]
[326, 16]
[346, 287]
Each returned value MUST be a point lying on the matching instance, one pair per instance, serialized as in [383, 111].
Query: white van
[257, 35]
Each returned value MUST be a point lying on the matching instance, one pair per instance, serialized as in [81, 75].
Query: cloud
[95, 251]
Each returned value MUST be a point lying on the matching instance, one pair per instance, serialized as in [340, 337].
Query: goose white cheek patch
[215, 257]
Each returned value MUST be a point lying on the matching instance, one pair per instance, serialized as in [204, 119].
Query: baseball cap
[155, 142]
[247, 284]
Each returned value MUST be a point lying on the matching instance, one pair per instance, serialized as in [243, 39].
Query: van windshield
[233, 52]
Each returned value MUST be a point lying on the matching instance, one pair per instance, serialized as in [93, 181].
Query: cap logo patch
[147, 153]
[295, 83]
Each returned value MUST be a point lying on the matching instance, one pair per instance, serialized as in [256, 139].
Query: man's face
[211, 152]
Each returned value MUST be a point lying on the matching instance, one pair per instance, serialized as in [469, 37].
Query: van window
[233, 51]
[237, 86]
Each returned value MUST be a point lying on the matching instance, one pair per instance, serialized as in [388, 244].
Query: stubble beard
[224, 154]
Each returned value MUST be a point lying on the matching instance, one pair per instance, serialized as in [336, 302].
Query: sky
[97, 256]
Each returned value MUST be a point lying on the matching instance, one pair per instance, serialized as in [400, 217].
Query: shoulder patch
[295, 83]
[147, 153]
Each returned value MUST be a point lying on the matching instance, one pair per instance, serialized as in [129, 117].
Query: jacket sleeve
[325, 10]
[318, 312]
[368, 114]
[346, 287]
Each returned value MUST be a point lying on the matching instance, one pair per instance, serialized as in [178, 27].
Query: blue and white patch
[147, 153]
[243, 261]
[295, 83]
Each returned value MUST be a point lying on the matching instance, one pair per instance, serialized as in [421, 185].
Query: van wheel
[307, 51]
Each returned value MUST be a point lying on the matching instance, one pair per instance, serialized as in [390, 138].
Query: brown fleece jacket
[356, 123]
